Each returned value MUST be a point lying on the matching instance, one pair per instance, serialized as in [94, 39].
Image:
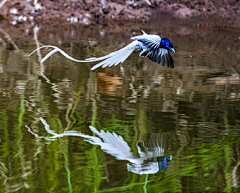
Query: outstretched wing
[111, 143]
[161, 56]
[114, 58]
[149, 41]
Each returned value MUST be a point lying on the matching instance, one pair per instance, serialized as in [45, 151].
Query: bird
[149, 45]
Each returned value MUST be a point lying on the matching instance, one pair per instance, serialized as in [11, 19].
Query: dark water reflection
[185, 120]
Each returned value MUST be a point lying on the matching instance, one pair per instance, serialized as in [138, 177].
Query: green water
[193, 109]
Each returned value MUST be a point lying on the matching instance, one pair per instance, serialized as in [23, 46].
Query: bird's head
[165, 43]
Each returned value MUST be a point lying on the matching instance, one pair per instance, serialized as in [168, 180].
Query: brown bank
[85, 11]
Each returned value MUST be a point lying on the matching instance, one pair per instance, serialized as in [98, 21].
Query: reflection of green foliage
[121, 127]
[4, 131]
[71, 164]
[198, 169]
[79, 91]
[4, 151]
[206, 167]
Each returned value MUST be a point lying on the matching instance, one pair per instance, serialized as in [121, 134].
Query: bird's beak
[172, 50]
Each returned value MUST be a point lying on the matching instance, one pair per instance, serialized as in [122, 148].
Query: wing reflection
[151, 153]
[150, 158]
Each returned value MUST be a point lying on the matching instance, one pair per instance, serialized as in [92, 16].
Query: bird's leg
[139, 48]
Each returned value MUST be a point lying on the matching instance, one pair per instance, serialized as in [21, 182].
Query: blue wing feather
[151, 48]
[150, 44]
[161, 56]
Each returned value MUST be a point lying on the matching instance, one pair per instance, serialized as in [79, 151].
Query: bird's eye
[167, 44]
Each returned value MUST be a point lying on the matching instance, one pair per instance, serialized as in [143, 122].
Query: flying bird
[149, 45]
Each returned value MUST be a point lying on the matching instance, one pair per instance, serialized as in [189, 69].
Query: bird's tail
[56, 49]
[114, 58]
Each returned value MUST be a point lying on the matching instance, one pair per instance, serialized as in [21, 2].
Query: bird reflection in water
[151, 153]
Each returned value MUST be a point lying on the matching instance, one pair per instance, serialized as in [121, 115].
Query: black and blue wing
[157, 54]
[151, 48]
[161, 56]
[150, 44]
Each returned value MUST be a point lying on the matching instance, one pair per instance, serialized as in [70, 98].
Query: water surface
[181, 125]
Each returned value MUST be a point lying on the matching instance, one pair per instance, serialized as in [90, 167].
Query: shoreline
[89, 12]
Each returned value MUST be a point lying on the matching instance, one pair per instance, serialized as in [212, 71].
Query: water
[180, 127]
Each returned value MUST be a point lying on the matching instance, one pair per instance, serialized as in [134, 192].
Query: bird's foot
[139, 48]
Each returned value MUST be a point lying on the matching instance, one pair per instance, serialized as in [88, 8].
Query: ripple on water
[194, 107]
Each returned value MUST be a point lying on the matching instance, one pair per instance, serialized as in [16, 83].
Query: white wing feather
[150, 37]
[112, 144]
[148, 40]
[115, 58]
